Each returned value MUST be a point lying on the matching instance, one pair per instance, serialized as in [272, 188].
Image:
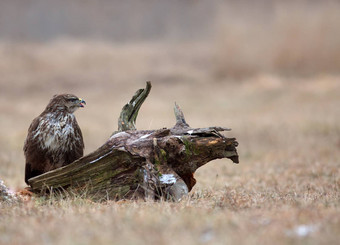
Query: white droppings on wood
[140, 138]
[120, 134]
[190, 132]
[96, 160]
[144, 136]
[145, 176]
[167, 179]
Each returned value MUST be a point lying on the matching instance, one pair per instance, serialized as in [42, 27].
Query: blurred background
[267, 69]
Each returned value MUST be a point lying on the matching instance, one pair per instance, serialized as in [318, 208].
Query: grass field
[286, 189]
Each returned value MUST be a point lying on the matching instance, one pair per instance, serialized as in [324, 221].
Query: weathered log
[141, 164]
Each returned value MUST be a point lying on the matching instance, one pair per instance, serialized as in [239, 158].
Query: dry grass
[285, 190]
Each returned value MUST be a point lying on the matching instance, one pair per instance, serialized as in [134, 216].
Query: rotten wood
[141, 163]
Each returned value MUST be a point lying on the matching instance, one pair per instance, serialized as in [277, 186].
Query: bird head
[68, 102]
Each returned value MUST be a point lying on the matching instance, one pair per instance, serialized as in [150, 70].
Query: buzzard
[54, 138]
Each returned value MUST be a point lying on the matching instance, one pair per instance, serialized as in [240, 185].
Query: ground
[286, 189]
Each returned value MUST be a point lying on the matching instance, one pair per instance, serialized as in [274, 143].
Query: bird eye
[73, 99]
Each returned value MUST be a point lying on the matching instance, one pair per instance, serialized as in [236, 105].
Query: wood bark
[141, 163]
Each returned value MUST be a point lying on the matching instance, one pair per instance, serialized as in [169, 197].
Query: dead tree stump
[141, 163]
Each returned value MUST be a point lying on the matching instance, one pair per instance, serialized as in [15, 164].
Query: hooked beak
[81, 102]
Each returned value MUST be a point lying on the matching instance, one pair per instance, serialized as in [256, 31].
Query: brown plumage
[54, 138]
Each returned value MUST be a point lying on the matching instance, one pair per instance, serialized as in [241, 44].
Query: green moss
[121, 191]
[190, 149]
[112, 173]
[157, 162]
[163, 154]
[161, 158]
[138, 175]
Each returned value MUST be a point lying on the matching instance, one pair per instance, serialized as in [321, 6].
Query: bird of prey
[54, 138]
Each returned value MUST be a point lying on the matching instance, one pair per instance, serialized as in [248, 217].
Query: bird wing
[78, 151]
[35, 156]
